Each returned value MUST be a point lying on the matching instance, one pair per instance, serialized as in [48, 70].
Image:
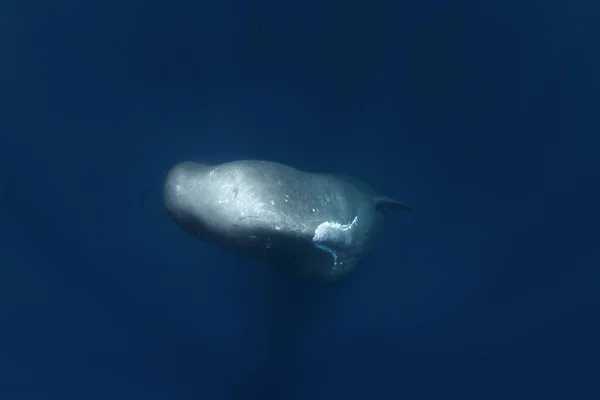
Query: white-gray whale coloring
[311, 225]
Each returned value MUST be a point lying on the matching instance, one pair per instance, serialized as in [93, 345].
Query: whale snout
[187, 168]
[180, 191]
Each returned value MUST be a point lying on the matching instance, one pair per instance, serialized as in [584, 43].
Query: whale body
[317, 226]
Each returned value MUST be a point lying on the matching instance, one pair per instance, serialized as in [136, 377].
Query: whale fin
[383, 202]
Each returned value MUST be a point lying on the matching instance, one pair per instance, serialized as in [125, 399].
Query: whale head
[184, 193]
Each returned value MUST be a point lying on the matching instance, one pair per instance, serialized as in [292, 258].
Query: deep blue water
[483, 116]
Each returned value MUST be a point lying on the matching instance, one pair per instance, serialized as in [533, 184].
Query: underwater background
[483, 116]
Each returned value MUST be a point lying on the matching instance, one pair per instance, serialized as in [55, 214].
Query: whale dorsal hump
[381, 202]
[385, 202]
